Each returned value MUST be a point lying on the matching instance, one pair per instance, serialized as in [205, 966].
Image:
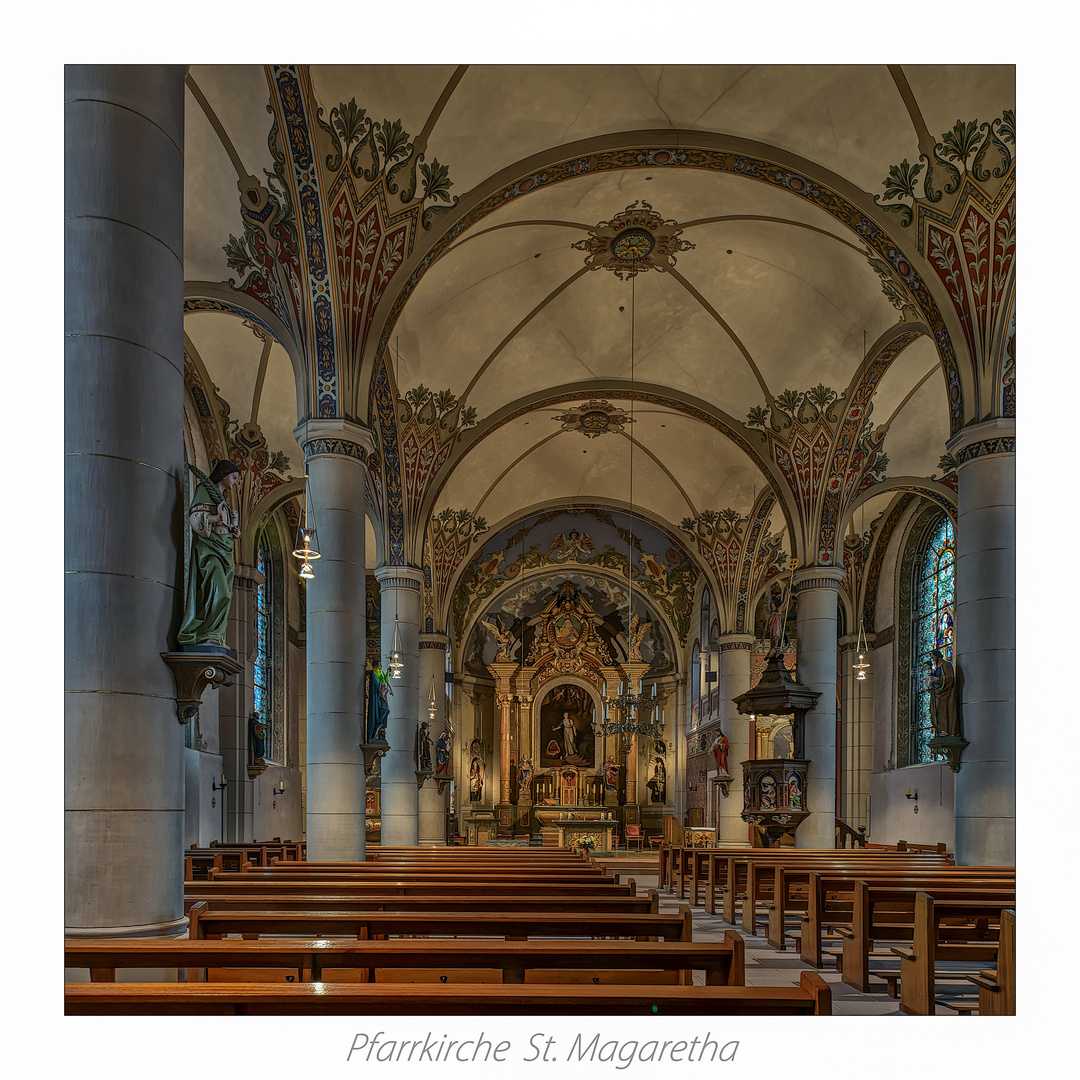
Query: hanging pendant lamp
[307, 537]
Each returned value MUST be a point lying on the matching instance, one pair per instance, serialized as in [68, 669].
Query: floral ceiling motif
[633, 241]
[595, 418]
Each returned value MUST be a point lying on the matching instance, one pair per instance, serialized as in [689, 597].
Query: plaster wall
[202, 804]
[892, 815]
[272, 814]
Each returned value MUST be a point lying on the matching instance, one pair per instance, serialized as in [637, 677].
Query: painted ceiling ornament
[595, 418]
[637, 239]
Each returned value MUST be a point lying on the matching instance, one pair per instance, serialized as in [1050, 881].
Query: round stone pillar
[816, 668]
[985, 655]
[431, 818]
[336, 454]
[400, 592]
[734, 680]
[856, 731]
[123, 498]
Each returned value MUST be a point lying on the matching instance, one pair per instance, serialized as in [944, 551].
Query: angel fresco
[636, 636]
[504, 638]
[571, 547]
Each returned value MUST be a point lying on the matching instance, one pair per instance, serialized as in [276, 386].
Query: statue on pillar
[657, 784]
[378, 705]
[476, 780]
[258, 739]
[720, 752]
[442, 755]
[944, 707]
[423, 748]
[214, 530]
[525, 772]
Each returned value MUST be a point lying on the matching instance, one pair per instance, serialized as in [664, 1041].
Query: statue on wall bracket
[943, 684]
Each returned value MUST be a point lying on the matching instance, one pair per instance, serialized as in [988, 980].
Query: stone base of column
[431, 817]
[175, 928]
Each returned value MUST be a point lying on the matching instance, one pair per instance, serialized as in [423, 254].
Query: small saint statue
[424, 748]
[258, 739]
[944, 706]
[214, 530]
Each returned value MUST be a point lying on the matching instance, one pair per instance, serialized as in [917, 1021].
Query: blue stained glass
[932, 624]
[262, 636]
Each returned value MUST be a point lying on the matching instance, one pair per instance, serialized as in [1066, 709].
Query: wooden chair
[633, 832]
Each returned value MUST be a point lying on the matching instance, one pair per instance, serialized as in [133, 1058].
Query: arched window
[264, 641]
[695, 676]
[933, 603]
[269, 653]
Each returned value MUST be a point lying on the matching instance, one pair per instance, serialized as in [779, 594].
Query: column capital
[991, 437]
[399, 577]
[818, 577]
[341, 438]
[731, 642]
[849, 642]
[434, 641]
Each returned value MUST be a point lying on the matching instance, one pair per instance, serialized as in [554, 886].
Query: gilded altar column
[400, 592]
[985, 655]
[431, 823]
[124, 499]
[734, 680]
[336, 454]
[634, 672]
[816, 664]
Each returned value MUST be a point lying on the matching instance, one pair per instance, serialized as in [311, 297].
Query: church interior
[746, 583]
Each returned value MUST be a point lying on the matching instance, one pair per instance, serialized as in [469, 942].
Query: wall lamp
[279, 788]
[215, 786]
[913, 795]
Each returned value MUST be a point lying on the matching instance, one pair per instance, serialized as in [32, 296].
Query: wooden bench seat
[939, 934]
[344, 890]
[511, 925]
[824, 897]
[811, 997]
[430, 960]
[997, 987]
[882, 915]
[482, 900]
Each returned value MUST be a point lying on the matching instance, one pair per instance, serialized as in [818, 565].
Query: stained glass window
[263, 634]
[933, 606]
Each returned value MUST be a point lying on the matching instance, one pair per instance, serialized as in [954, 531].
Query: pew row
[944, 929]
[431, 960]
[811, 998]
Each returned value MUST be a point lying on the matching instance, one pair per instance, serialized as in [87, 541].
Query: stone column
[123, 499]
[336, 461]
[431, 821]
[400, 591]
[857, 731]
[236, 703]
[816, 660]
[985, 791]
[734, 680]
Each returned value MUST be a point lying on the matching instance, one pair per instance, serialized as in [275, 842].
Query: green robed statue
[214, 530]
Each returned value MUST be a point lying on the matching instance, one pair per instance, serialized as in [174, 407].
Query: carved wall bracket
[194, 672]
[952, 746]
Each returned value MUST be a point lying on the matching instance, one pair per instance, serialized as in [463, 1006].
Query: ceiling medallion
[635, 240]
[595, 418]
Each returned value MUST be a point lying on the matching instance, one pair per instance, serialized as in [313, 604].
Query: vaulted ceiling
[521, 315]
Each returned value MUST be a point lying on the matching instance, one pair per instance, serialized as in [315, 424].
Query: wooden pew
[937, 936]
[431, 960]
[997, 988]
[731, 872]
[820, 897]
[491, 881]
[768, 881]
[888, 915]
[482, 900]
[343, 891]
[811, 997]
[204, 923]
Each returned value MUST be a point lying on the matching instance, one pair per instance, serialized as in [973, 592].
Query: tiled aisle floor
[766, 966]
